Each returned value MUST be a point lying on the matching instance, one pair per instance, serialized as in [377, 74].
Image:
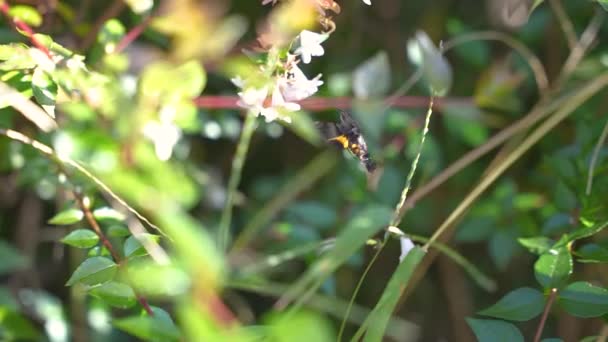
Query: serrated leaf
[107, 213]
[582, 299]
[521, 305]
[66, 217]
[489, 330]
[537, 244]
[553, 268]
[81, 238]
[115, 294]
[159, 327]
[93, 271]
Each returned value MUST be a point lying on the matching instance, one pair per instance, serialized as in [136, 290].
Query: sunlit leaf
[66, 217]
[537, 245]
[553, 268]
[81, 238]
[159, 327]
[436, 70]
[45, 90]
[107, 213]
[169, 280]
[27, 14]
[16, 327]
[133, 246]
[93, 271]
[115, 294]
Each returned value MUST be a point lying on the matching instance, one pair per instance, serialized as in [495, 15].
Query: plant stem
[543, 319]
[235, 178]
[398, 214]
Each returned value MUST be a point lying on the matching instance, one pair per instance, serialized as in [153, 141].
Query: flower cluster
[283, 81]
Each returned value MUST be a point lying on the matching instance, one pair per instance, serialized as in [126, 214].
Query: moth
[346, 134]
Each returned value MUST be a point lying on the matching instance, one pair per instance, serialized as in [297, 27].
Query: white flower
[164, 135]
[310, 45]
[278, 109]
[406, 247]
[367, 2]
[252, 98]
[295, 86]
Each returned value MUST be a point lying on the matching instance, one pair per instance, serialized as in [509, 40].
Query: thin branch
[535, 64]
[595, 157]
[543, 319]
[577, 54]
[4, 8]
[564, 22]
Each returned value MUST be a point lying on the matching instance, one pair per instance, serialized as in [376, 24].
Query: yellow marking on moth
[342, 139]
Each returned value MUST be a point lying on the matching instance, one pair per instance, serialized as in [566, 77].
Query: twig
[594, 158]
[537, 67]
[577, 54]
[543, 319]
[235, 178]
[398, 214]
[565, 22]
[4, 8]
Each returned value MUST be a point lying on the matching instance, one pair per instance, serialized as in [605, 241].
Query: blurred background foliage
[141, 97]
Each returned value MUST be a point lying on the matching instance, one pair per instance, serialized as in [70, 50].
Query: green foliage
[126, 135]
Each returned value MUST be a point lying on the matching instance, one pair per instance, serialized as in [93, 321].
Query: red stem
[541, 324]
[323, 103]
[4, 8]
[133, 34]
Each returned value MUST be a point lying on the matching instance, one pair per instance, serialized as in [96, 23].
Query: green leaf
[93, 271]
[436, 70]
[16, 56]
[377, 320]
[66, 217]
[81, 238]
[107, 213]
[15, 327]
[354, 236]
[45, 90]
[11, 258]
[537, 245]
[134, 248]
[169, 280]
[553, 268]
[313, 213]
[27, 14]
[118, 231]
[521, 304]
[373, 77]
[592, 252]
[159, 327]
[487, 330]
[115, 294]
[581, 299]
[603, 3]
